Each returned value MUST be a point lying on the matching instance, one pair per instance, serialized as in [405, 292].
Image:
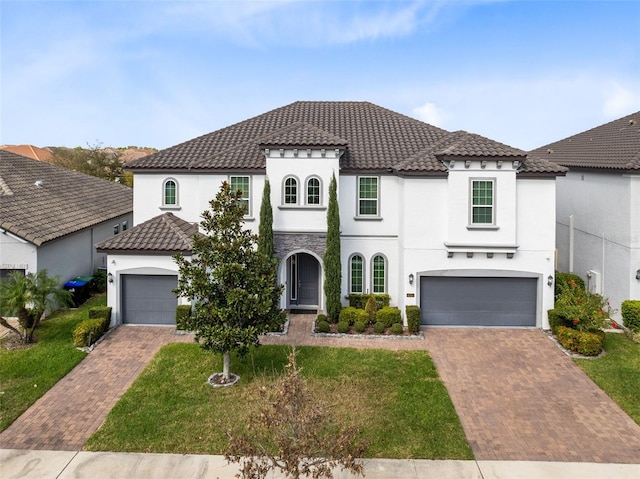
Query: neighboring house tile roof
[612, 146]
[30, 151]
[165, 233]
[373, 139]
[65, 202]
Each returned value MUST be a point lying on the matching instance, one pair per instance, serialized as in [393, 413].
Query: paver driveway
[520, 398]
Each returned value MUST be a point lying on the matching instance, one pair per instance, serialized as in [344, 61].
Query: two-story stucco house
[458, 224]
[598, 207]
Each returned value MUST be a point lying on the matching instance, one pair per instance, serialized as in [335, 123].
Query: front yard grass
[618, 372]
[395, 397]
[26, 374]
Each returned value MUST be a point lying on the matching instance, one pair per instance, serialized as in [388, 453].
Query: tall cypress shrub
[331, 260]
[265, 231]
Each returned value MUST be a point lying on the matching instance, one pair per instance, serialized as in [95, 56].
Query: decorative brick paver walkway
[66, 416]
[518, 396]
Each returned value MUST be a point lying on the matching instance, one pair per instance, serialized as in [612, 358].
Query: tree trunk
[8, 326]
[225, 366]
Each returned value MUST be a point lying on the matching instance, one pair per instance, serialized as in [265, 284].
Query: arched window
[313, 191]
[356, 273]
[170, 193]
[379, 276]
[290, 191]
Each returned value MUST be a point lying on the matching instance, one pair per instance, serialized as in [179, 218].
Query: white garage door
[473, 301]
[148, 299]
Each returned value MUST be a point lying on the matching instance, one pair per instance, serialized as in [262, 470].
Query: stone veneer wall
[284, 243]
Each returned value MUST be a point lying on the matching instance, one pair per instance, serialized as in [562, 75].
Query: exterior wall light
[550, 280]
[638, 274]
[411, 277]
[110, 278]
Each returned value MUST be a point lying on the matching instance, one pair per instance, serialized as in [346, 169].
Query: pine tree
[331, 260]
[265, 232]
[232, 285]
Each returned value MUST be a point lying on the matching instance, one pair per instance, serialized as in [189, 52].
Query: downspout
[571, 243]
[603, 252]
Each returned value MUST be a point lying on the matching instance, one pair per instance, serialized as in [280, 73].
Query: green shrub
[102, 312]
[322, 317]
[389, 316]
[359, 301]
[99, 281]
[379, 327]
[584, 309]
[183, 317]
[349, 315]
[414, 316]
[556, 319]
[343, 327]
[563, 280]
[360, 326]
[371, 308]
[323, 326]
[89, 331]
[362, 316]
[630, 310]
[397, 328]
[587, 343]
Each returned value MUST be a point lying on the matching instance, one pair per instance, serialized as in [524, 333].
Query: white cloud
[620, 101]
[430, 113]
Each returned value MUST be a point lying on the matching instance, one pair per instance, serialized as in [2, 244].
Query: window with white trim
[170, 193]
[242, 184]
[482, 201]
[313, 191]
[290, 191]
[356, 274]
[379, 277]
[368, 196]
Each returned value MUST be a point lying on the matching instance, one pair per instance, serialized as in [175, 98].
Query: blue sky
[157, 73]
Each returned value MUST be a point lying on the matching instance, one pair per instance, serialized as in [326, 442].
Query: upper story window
[170, 193]
[483, 202]
[356, 273]
[290, 191]
[242, 184]
[379, 277]
[313, 191]
[368, 196]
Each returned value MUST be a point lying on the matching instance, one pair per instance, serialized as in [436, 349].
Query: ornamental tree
[331, 259]
[265, 231]
[231, 284]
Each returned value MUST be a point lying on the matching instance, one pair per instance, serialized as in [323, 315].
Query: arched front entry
[303, 282]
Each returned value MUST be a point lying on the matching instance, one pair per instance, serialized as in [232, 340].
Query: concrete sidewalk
[21, 464]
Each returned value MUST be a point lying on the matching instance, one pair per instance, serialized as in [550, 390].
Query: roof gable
[41, 202]
[612, 146]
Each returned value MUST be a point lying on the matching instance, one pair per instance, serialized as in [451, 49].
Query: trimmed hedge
[556, 319]
[388, 316]
[343, 327]
[359, 301]
[89, 331]
[630, 310]
[587, 343]
[102, 312]
[323, 326]
[348, 315]
[397, 328]
[562, 281]
[360, 327]
[414, 316]
[379, 327]
[183, 317]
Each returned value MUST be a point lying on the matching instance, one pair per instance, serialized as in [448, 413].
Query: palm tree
[29, 298]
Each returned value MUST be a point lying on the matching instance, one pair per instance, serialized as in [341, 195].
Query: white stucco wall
[16, 253]
[606, 218]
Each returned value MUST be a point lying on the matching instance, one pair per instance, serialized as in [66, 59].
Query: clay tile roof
[165, 233]
[612, 146]
[30, 151]
[373, 139]
[64, 202]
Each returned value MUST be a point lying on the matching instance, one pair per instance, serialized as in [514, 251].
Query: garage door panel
[478, 301]
[149, 299]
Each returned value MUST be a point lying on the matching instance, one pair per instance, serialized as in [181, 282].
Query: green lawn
[618, 372]
[394, 397]
[26, 374]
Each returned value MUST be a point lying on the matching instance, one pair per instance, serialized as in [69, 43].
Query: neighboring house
[456, 223]
[30, 151]
[51, 218]
[598, 207]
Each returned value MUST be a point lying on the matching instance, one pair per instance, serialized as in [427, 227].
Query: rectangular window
[368, 196]
[241, 183]
[482, 202]
[116, 229]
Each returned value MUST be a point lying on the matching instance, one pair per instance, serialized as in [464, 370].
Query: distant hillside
[126, 154]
